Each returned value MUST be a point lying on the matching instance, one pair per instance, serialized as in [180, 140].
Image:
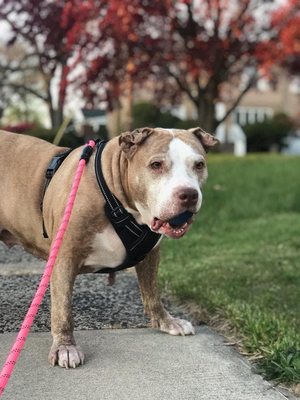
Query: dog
[157, 175]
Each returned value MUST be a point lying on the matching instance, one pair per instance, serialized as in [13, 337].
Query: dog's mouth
[175, 227]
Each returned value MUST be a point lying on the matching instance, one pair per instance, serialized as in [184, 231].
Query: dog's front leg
[160, 318]
[64, 351]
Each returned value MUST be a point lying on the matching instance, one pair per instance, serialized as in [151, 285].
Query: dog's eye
[199, 165]
[156, 165]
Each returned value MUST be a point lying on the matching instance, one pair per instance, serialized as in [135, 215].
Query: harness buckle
[118, 215]
[118, 212]
[55, 164]
[50, 173]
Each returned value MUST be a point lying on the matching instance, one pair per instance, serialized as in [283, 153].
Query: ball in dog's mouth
[175, 227]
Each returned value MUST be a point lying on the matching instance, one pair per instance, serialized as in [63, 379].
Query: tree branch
[8, 68]
[251, 82]
[238, 18]
[20, 87]
[181, 85]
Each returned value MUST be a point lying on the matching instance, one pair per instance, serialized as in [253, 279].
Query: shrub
[263, 136]
[70, 139]
[148, 114]
[144, 114]
[22, 127]
[187, 124]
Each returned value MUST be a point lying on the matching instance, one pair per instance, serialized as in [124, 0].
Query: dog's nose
[188, 197]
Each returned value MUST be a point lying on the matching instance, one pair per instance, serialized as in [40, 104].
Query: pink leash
[16, 349]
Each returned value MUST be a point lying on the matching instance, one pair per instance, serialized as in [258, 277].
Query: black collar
[137, 239]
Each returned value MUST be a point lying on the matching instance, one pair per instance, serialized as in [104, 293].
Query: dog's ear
[129, 141]
[207, 140]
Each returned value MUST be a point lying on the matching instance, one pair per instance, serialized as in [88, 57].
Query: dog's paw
[66, 356]
[176, 326]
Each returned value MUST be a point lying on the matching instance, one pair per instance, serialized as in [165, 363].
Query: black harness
[137, 239]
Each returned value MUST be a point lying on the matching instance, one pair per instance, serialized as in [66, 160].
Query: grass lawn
[241, 259]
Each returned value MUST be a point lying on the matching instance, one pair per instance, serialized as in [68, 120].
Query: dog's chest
[107, 250]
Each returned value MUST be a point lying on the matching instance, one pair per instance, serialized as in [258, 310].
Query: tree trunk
[206, 105]
[56, 113]
[62, 93]
[206, 114]
[57, 117]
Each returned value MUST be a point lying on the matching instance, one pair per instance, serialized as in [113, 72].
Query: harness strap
[55, 163]
[137, 239]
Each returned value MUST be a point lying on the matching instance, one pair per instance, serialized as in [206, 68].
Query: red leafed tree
[194, 47]
[119, 52]
[40, 25]
[290, 40]
[288, 46]
[199, 48]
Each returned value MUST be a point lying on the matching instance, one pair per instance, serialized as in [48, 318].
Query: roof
[93, 112]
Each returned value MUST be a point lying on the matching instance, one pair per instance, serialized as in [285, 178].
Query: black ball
[180, 219]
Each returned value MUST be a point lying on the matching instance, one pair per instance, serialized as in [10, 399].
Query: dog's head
[166, 171]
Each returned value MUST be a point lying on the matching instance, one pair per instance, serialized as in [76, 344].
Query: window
[250, 115]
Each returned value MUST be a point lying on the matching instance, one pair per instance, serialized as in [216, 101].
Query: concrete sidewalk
[136, 364]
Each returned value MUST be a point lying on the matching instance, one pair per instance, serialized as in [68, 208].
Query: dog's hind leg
[6, 237]
[160, 318]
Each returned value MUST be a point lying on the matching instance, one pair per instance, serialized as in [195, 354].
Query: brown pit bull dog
[157, 175]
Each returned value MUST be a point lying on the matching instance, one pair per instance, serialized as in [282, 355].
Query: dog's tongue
[180, 219]
[157, 224]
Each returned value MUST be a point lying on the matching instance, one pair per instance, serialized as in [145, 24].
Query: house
[94, 117]
[93, 122]
[264, 101]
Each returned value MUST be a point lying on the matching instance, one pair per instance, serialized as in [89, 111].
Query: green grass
[241, 258]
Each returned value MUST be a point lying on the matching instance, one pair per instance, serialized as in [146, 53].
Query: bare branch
[20, 87]
[239, 18]
[8, 68]
[249, 85]
[182, 86]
